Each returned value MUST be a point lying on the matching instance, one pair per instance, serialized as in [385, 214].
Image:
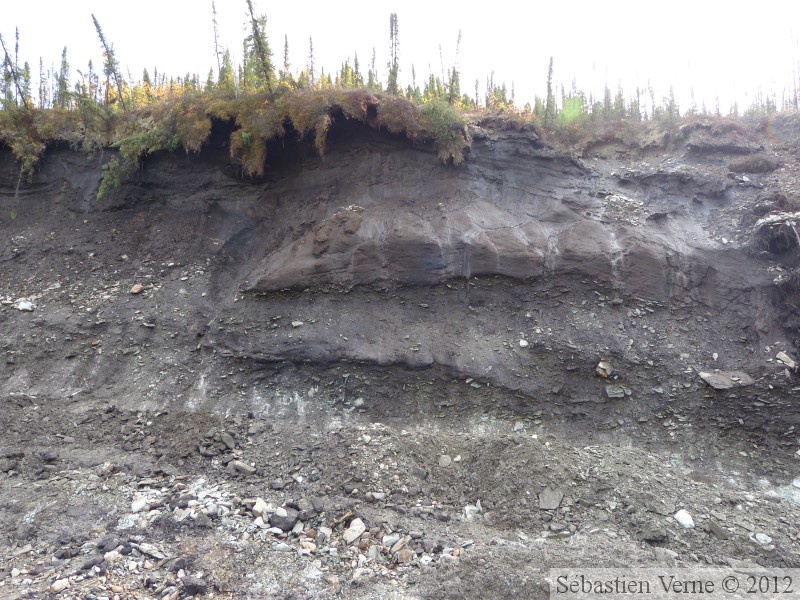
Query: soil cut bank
[373, 376]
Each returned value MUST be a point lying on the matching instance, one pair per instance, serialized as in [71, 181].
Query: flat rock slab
[725, 380]
[284, 518]
[718, 531]
[355, 530]
[787, 360]
[550, 498]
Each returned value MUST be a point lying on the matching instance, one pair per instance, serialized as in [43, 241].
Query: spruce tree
[8, 83]
[42, 85]
[619, 104]
[358, 80]
[260, 55]
[608, 105]
[393, 65]
[147, 85]
[94, 82]
[217, 49]
[247, 76]
[636, 106]
[285, 74]
[550, 107]
[372, 74]
[110, 65]
[673, 110]
[453, 87]
[62, 89]
[226, 82]
[12, 74]
[26, 84]
[454, 78]
[311, 74]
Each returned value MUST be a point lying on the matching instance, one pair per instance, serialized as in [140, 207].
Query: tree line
[105, 85]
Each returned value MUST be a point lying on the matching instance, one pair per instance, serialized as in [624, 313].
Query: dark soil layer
[374, 338]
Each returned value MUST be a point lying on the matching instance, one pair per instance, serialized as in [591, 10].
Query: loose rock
[654, 535]
[725, 380]
[472, 510]
[59, 585]
[550, 498]
[604, 369]
[763, 539]
[194, 586]
[317, 503]
[228, 440]
[391, 539]
[284, 518]
[139, 504]
[717, 531]
[356, 529]
[615, 391]
[242, 467]
[787, 360]
[405, 555]
[259, 508]
[685, 519]
[151, 550]
[25, 305]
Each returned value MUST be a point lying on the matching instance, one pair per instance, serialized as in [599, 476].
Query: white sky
[725, 49]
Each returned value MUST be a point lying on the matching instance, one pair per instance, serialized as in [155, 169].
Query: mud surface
[374, 376]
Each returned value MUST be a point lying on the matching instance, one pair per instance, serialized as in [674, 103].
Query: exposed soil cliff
[399, 339]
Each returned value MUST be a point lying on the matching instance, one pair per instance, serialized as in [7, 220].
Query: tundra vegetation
[99, 108]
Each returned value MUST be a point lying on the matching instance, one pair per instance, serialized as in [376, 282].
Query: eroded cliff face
[517, 271]
[372, 342]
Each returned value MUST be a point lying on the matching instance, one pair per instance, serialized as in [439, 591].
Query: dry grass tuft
[185, 120]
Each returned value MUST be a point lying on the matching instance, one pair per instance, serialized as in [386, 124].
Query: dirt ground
[198, 436]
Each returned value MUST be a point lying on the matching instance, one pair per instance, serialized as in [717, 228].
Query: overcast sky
[726, 49]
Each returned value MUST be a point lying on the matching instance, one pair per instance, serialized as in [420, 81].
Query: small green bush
[193, 126]
[151, 138]
[115, 173]
[249, 150]
[449, 131]
[19, 133]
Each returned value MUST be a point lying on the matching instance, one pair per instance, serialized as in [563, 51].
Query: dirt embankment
[373, 374]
